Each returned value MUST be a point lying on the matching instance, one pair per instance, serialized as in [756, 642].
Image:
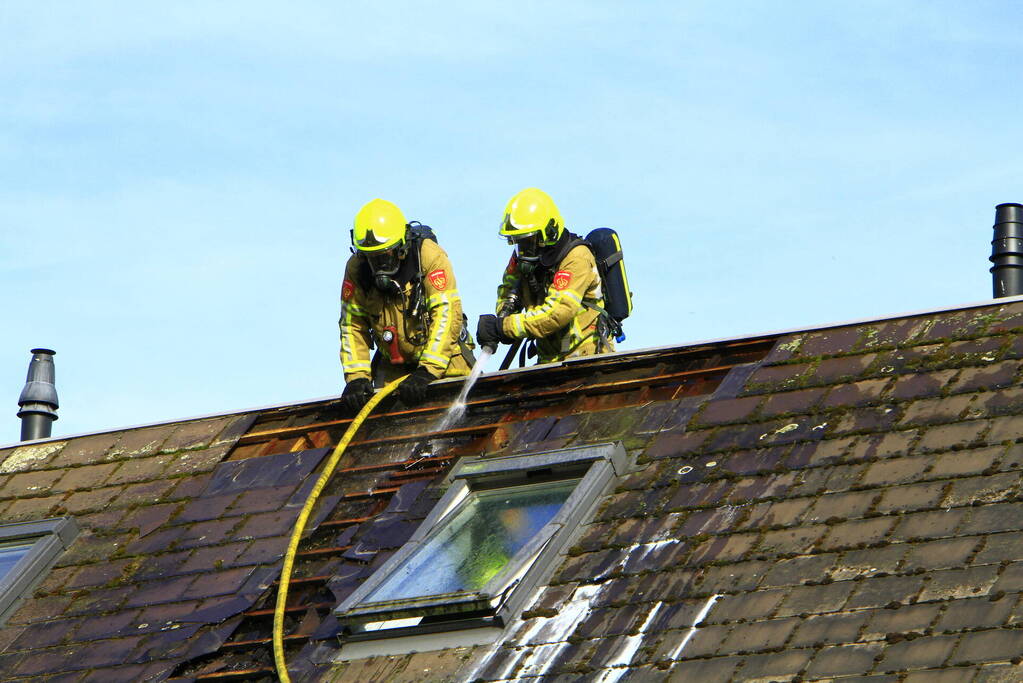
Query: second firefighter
[551, 290]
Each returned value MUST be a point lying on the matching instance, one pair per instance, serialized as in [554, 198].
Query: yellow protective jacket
[552, 309]
[427, 334]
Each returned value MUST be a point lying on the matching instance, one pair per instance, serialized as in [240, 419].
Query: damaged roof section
[811, 506]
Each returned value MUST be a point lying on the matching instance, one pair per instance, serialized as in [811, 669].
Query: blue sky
[177, 182]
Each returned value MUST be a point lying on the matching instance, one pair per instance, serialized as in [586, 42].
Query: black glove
[357, 393]
[489, 332]
[413, 389]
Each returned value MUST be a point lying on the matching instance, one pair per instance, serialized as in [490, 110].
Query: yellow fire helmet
[532, 211]
[379, 225]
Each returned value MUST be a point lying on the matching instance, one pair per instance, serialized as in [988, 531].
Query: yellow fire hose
[303, 517]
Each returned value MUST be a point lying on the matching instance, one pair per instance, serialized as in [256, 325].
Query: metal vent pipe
[1007, 251]
[38, 399]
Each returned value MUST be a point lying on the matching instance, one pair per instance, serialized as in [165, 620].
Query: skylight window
[495, 533]
[27, 550]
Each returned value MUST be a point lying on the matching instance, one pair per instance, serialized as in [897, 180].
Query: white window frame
[504, 595]
[49, 538]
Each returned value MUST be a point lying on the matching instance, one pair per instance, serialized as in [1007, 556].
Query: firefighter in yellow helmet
[398, 295]
[551, 291]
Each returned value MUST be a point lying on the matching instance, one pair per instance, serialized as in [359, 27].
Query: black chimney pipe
[1007, 251]
[38, 399]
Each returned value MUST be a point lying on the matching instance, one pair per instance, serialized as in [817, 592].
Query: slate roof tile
[801, 401]
[705, 640]
[942, 554]
[96, 574]
[32, 457]
[770, 667]
[995, 376]
[835, 506]
[108, 653]
[804, 455]
[56, 579]
[777, 378]
[922, 525]
[874, 592]
[1007, 401]
[795, 541]
[844, 477]
[24, 484]
[884, 445]
[840, 660]
[194, 434]
[194, 462]
[156, 541]
[857, 533]
[263, 550]
[93, 546]
[50, 660]
[158, 616]
[825, 629]
[869, 561]
[146, 493]
[855, 394]
[740, 576]
[1006, 547]
[90, 501]
[815, 599]
[114, 624]
[267, 524]
[952, 436]
[997, 673]
[728, 411]
[924, 652]
[218, 583]
[830, 342]
[675, 444]
[921, 385]
[911, 497]
[717, 670]
[163, 590]
[996, 488]
[110, 520]
[760, 604]
[209, 533]
[971, 462]
[993, 518]
[45, 634]
[98, 600]
[203, 558]
[936, 410]
[833, 370]
[205, 509]
[960, 583]
[137, 470]
[759, 635]
[966, 614]
[86, 450]
[892, 333]
[1005, 429]
[188, 487]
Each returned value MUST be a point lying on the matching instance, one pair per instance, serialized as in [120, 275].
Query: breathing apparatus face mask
[384, 266]
[527, 251]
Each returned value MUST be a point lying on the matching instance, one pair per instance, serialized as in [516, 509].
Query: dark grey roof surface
[832, 504]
